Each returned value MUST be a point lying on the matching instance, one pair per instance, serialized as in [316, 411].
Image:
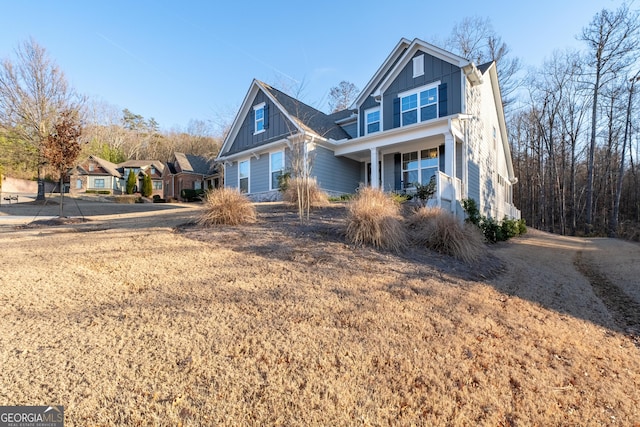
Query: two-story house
[425, 114]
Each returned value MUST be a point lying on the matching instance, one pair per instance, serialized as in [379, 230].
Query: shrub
[471, 209]
[510, 228]
[227, 206]
[190, 195]
[522, 227]
[374, 218]
[425, 192]
[147, 186]
[400, 197]
[131, 182]
[317, 197]
[442, 232]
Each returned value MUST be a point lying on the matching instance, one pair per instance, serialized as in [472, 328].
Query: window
[419, 166]
[78, 184]
[197, 185]
[243, 176]
[372, 118]
[259, 118]
[419, 105]
[98, 183]
[276, 162]
[157, 185]
[92, 167]
[418, 66]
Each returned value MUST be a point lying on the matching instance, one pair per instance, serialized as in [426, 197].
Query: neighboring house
[188, 171]
[140, 168]
[95, 174]
[425, 113]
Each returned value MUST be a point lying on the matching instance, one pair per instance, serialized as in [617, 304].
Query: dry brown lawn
[128, 320]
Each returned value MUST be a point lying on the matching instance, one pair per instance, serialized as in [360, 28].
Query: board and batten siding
[335, 173]
[278, 127]
[434, 70]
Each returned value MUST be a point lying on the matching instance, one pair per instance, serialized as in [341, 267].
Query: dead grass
[272, 324]
[442, 232]
[316, 196]
[373, 218]
[227, 206]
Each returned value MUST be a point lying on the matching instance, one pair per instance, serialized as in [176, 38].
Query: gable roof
[142, 164]
[111, 168]
[305, 119]
[191, 163]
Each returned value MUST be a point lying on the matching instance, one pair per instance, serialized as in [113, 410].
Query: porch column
[375, 179]
[449, 155]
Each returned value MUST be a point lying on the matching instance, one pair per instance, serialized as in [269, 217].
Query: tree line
[38, 107]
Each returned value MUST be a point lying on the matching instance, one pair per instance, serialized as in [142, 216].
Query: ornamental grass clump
[442, 232]
[227, 206]
[373, 218]
[307, 189]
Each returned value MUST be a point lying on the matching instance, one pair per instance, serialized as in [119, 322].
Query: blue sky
[177, 61]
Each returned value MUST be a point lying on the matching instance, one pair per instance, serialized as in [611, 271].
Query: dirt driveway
[596, 279]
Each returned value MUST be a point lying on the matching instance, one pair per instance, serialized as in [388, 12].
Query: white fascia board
[429, 49]
[237, 121]
[253, 151]
[497, 97]
[395, 136]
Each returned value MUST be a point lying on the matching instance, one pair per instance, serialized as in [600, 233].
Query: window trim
[366, 120]
[417, 91]
[248, 177]
[419, 168]
[95, 183]
[256, 121]
[271, 170]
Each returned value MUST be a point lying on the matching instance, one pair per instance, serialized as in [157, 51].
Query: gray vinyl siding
[434, 69]
[231, 175]
[279, 127]
[474, 181]
[335, 173]
[259, 174]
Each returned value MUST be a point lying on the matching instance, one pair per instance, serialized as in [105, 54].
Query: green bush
[400, 198]
[493, 230]
[131, 182]
[510, 228]
[147, 186]
[190, 195]
[341, 198]
[522, 227]
[425, 192]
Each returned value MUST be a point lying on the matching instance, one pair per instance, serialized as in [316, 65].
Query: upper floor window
[418, 66]
[260, 118]
[419, 105]
[372, 118]
[92, 167]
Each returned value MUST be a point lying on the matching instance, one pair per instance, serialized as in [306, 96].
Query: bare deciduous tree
[342, 96]
[33, 92]
[613, 42]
